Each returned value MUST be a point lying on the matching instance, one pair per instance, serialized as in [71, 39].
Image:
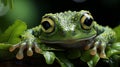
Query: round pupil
[88, 21]
[46, 25]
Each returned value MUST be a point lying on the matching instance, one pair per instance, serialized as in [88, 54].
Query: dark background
[105, 12]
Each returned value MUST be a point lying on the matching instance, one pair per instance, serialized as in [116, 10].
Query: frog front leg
[29, 42]
[105, 36]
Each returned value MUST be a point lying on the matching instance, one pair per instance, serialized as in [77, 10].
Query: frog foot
[97, 45]
[101, 46]
[22, 46]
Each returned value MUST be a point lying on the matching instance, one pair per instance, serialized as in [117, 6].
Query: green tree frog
[69, 29]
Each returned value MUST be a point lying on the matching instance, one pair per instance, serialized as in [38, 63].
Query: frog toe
[101, 45]
[102, 50]
[37, 49]
[102, 55]
[13, 47]
[25, 45]
[87, 47]
[21, 46]
[94, 49]
[19, 54]
[29, 52]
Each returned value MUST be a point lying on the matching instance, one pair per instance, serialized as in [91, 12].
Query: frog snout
[70, 33]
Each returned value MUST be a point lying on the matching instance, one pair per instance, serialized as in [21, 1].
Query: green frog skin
[69, 29]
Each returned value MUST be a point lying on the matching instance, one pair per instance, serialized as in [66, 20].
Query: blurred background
[105, 12]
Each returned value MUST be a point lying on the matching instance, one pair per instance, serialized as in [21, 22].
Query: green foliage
[91, 60]
[117, 30]
[49, 57]
[11, 35]
[3, 46]
[113, 50]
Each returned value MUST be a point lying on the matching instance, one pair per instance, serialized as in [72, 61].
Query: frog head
[67, 28]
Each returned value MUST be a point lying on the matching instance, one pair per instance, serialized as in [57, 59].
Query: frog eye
[47, 25]
[86, 21]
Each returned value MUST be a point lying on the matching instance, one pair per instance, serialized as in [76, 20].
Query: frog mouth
[71, 42]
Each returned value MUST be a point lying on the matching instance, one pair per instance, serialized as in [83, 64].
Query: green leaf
[91, 60]
[116, 46]
[11, 35]
[63, 61]
[113, 50]
[49, 57]
[117, 30]
[4, 46]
